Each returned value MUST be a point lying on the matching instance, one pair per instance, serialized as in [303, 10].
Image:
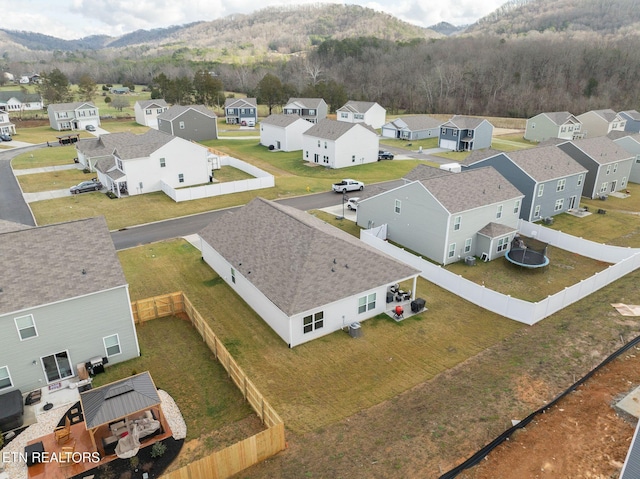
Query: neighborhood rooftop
[332, 130]
[546, 163]
[417, 122]
[558, 117]
[298, 261]
[56, 262]
[175, 111]
[306, 102]
[463, 122]
[151, 103]
[142, 145]
[70, 106]
[471, 189]
[357, 106]
[424, 172]
[602, 150]
[281, 120]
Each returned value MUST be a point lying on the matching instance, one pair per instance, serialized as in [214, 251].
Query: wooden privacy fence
[233, 459]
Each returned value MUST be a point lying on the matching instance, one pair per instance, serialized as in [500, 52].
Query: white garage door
[448, 144]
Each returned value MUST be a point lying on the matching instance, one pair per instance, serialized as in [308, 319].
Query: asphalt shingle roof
[602, 150]
[332, 129]
[57, 262]
[357, 106]
[546, 163]
[464, 122]
[281, 120]
[495, 230]
[240, 102]
[633, 114]
[424, 172]
[309, 103]
[298, 261]
[175, 111]
[151, 103]
[415, 123]
[470, 189]
[143, 145]
[20, 96]
[69, 106]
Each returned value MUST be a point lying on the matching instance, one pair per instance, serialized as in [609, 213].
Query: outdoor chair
[66, 454]
[63, 433]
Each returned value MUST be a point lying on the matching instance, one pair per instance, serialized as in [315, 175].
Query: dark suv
[384, 155]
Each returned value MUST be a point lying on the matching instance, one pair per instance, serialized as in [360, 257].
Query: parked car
[385, 155]
[91, 185]
[4, 137]
[352, 203]
[90, 128]
[348, 185]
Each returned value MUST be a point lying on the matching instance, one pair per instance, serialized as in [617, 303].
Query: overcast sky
[72, 19]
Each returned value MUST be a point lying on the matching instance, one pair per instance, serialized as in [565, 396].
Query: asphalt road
[13, 207]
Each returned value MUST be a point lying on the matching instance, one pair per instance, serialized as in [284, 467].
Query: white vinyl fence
[262, 180]
[624, 261]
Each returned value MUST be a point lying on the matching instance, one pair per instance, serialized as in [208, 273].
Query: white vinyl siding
[366, 303]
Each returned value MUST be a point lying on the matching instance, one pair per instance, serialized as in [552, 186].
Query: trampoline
[525, 256]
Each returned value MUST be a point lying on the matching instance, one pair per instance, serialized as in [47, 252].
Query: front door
[572, 202]
[614, 183]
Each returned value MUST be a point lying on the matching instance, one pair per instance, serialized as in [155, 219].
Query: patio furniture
[33, 453]
[63, 433]
[66, 455]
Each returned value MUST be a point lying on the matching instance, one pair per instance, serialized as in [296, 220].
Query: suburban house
[367, 112]
[601, 122]
[465, 133]
[305, 278]
[336, 144]
[120, 90]
[241, 111]
[283, 132]
[6, 127]
[631, 144]
[137, 164]
[449, 217]
[191, 122]
[557, 124]
[424, 172]
[550, 180]
[311, 109]
[631, 118]
[147, 112]
[15, 101]
[608, 163]
[73, 116]
[415, 127]
[50, 326]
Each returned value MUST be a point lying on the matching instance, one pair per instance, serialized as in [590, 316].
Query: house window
[558, 205]
[318, 143]
[608, 169]
[233, 275]
[353, 158]
[637, 158]
[181, 125]
[503, 243]
[148, 111]
[5, 378]
[603, 188]
[536, 212]
[623, 183]
[112, 345]
[452, 250]
[580, 178]
[540, 189]
[306, 153]
[367, 303]
[615, 167]
[26, 327]
[455, 132]
[119, 164]
[325, 145]
[499, 212]
[344, 115]
[456, 223]
[313, 322]
[516, 207]
[162, 163]
[180, 178]
[467, 245]
[159, 110]
[312, 112]
[533, 125]
[444, 131]
[397, 206]
[57, 366]
[561, 184]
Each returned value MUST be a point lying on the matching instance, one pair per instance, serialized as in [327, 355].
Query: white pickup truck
[348, 185]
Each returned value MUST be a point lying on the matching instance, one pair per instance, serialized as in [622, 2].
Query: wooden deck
[86, 454]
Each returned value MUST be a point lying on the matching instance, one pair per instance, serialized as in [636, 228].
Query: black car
[91, 185]
[90, 128]
[385, 155]
[4, 137]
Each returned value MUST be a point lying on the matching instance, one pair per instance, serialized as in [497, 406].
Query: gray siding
[543, 130]
[76, 325]
[197, 127]
[633, 147]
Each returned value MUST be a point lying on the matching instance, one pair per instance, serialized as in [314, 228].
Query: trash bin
[355, 331]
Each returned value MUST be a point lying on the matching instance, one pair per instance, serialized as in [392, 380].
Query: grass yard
[331, 378]
[229, 173]
[55, 180]
[207, 398]
[426, 144]
[60, 155]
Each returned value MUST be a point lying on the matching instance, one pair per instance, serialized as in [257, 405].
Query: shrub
[158, 449]
[134, 461]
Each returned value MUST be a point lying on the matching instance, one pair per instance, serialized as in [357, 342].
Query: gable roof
[116, 400]
[105, 144]
[240, 102]
[70, 106]
[545, 163]
[423, 172]
[22, 97]
[357, 106]
[560, 117]
[633, 114]
[160, 103]
[464, 122]
[298, 261]
[34, 261]
[308, 103]
[415, 123]
[601, 149]
[470, 189]
[175, 111]
[495, 230]
[282, 120]
[332, 129]
[143, 145]
[607, 114]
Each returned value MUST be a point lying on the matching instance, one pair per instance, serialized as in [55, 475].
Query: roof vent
[84, 271]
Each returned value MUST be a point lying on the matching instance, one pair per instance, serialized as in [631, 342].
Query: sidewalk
[47, 169]
[46, 195]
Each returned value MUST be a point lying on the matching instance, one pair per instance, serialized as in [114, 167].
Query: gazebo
[116, 409]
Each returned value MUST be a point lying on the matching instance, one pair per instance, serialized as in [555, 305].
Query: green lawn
[410, 144]
[60, 155]
[55, 180]
[207, 398]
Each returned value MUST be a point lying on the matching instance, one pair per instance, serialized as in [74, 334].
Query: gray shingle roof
[602, 150]
[105, 144]
[118, 399]
[495, 230]
[306, 102]
[69, 106]
[7, 226]
[20, 96]
[464, 122]
[546, 163]
[159, 103]
[175, 111]
[143, 145]
[558, 117]
[423, 172]
[415, 123]
[240, 102]
[332, 129]
[608, 114]
[633, 114]
[45, 264]
[470, 189]
[281, 120]
[296, 260]
[357, 106]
